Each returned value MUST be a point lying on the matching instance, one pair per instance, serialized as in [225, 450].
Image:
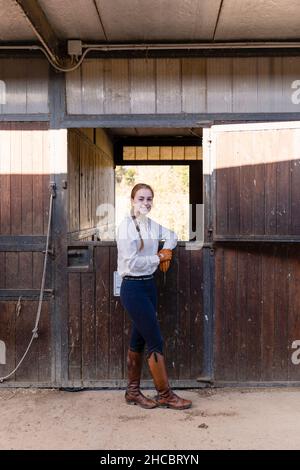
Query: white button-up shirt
[133, 262]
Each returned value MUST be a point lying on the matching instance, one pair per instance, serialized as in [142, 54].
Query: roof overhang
[155, 27]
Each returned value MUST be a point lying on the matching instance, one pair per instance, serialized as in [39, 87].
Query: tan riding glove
[165, 256]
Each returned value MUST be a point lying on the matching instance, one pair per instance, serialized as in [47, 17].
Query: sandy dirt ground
[101, 420]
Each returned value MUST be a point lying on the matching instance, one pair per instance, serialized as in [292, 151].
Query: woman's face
[142, 201]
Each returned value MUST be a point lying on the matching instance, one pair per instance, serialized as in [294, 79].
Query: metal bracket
[50, 252]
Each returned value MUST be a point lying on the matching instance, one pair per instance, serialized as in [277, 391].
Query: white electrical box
[75, 47]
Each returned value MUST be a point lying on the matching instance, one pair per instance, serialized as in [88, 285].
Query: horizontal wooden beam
[172, 141]
[171, 120]
[24, 117]
[22, 243]
[25, 294]
[257, 238]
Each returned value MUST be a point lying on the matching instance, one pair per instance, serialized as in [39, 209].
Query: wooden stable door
[28, 156]
[99, 328]
[256, 231]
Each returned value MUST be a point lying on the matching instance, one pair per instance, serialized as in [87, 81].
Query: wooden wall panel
[16, 330]
[256, 193]
[24, 174]
[188, 85]
[25, 169]
[255, 312]
[91, 178]
[22, 270]
[26, 86]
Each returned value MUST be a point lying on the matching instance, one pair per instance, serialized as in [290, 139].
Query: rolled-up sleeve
[169, 236]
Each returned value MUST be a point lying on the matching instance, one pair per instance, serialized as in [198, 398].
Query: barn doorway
[102, 164]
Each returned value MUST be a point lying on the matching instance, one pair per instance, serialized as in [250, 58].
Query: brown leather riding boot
[133, 395]
[166, 398]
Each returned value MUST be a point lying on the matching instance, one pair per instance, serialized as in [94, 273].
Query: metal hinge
[50, 252]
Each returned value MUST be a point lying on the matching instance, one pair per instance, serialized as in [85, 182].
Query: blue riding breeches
[139, 298]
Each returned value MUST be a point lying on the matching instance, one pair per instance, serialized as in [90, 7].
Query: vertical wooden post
[59, 160]
[208, 259]
[58, 152]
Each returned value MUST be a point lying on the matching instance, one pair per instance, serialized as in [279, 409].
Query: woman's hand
[165, 256]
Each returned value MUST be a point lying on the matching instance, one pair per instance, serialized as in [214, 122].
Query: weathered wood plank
[2, 270]
[185, 348]
[295, 196]
[168, 82]
[219, 343]
[15, 80]
[293, 311]
[25, 321]
[254, 314]
[16, 182]
[268, 313]
[25, 270]
[166, 153]
[12, 270]
[75, 327]
[283, 193]
[88, 326]
[5, 179]
[244, 96]
[116, 80]
[117, 321]
[197, 314]
[92, 76]
[141, 153]
[242, 312]
[230, 314]
[219, 85]
[37, 86]
[142, 97]
[74, 91]
[281, 294]
[37, 182]
[27, 173]
[45, 349]
[102, 306]
[8, 332]
[194, 85]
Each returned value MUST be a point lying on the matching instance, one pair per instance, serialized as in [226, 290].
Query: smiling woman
[171, 182]
[138, 259]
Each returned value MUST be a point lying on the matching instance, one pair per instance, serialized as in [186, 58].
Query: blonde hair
[133, 193]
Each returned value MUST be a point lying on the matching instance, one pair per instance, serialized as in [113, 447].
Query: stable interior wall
[91, 182]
